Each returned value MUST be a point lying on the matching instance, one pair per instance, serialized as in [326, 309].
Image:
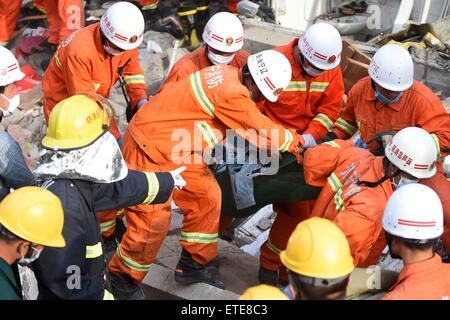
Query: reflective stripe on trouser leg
[200, 201]
[288, 216]
[147, 225]
[107, 220]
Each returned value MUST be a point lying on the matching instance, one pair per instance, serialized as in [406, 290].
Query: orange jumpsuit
[419, 107]
[81, 65]
[309, 106]
[64, 17]
[176, 128]
[198, 60]
[441, 186]
[355, 208]
[425, 280]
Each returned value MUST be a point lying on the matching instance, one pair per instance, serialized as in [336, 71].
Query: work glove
[308, 141]
[357, 141]
[178, 180]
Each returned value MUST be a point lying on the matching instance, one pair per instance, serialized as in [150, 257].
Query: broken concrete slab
[249, 231]
[162, 278]
[263, 36]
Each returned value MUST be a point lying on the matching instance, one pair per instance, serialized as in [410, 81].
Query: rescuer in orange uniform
[64, 17]
[413, 221]
[390, 100]
[357, 185]
[177, 126]
[89, 59]
[224, 38]
[309, 105]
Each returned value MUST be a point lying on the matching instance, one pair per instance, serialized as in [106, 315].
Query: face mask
[311, 71]
[385, 100]
[403, 182]
[14, 102]
[27, 261]
[111, 51]
[218, 59]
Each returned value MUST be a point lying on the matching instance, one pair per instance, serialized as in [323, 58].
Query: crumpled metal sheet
[101, 162]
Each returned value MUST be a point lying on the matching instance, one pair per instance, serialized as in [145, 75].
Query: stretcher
[287, 185]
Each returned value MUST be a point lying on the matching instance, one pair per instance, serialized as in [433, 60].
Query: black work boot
[189, 271]
[266, 276]
[109, 247]
[124, 288]
[213, 267]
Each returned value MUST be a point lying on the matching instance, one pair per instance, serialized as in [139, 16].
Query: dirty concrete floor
[238, 269]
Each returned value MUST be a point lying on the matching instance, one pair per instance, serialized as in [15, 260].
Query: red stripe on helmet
[321, 57]
[13, 65]
[319, 54]
[417, 223]
[421, 167]
[215, 36]
[13, 68]
[118, 36]
[239, 39]
[269, 83]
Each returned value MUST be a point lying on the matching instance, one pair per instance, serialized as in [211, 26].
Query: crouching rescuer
[82, 164]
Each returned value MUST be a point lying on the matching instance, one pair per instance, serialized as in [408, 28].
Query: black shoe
[266, 276]
[123, 288]
[189, 271]
[109, 247]
[213, 267]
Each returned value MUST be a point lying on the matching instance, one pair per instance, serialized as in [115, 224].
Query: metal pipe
[445, 9]
[404, 12]
[425, 11]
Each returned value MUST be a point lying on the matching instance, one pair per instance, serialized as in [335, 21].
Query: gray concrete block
[163, 279]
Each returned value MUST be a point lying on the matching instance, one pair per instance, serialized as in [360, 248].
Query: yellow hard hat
[263, 292]
[318, 249]
[77, 121]
[34, 214]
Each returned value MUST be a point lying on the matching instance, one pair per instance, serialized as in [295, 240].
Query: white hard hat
[9, 68]
[392, 68]
[414, 212]
[123, 25]
[224, 32]
[321, 45]
[271, 72]
[414, 151]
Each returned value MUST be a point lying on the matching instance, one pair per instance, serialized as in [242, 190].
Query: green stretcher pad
[288, 185]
